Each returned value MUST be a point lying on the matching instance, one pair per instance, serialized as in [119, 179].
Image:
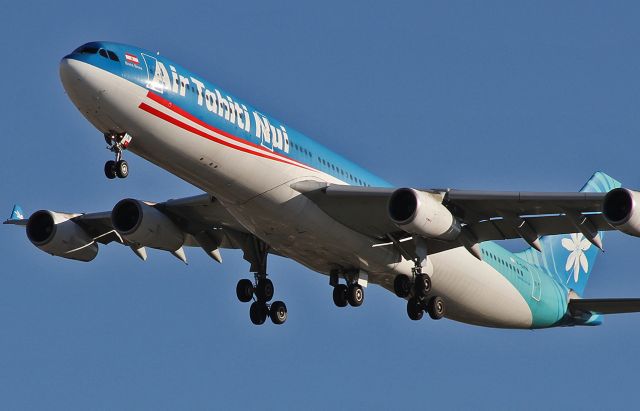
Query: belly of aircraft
[476, 293]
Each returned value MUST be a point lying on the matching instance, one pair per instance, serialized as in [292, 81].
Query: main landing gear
[261, 290]
[417, 292]
[117, 143]
[350, 293]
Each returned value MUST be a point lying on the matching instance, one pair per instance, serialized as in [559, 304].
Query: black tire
[415, 309]
[340, 295]
[278, 312]
[110, 169]
[258, 312]
[244, 290]
[423, 285]
[402, 286]
[264, 290]
[355, 295]
[122, 169]
[436, 308]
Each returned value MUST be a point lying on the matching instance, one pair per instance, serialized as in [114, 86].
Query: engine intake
[420, 213]
[619, 208]
[58, 235]
[146, 226]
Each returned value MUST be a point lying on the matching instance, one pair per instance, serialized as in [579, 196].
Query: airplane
[270, 190]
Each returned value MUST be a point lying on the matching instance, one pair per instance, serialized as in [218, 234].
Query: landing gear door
[536, 286]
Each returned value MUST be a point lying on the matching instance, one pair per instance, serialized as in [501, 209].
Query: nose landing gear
[117, 143]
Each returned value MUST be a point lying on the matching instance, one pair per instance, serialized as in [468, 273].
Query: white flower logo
[576, 245]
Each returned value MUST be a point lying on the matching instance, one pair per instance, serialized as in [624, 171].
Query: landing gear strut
[260, 290]
[117, 143]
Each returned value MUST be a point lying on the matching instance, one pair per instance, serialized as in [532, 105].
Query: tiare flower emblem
[576, 245]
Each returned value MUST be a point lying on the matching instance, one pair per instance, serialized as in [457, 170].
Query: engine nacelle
[619, 208]
[419, 213]
[56, 234]
[145, 225]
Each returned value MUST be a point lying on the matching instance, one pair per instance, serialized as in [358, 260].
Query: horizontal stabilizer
[17, 216]
[605, 305]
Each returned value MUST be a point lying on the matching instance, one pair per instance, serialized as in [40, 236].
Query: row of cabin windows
[342, 172]
[301, 149]
[329, 165]
[108, 54]
[503, 262]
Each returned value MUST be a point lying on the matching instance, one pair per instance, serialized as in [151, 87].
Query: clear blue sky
[486, 95]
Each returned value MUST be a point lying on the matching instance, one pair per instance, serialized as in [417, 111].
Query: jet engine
[619, 208]
[58, 235]
[146, 226]
[419, 213]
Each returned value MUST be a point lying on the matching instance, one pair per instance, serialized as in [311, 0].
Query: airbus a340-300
[269, 189]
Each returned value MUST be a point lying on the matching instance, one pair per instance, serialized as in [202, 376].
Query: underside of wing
[451, 218]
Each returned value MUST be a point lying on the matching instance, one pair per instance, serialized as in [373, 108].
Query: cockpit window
[112, 55]
[108, 54]
[87, 50]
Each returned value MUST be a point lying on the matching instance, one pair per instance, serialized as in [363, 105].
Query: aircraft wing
[193, 215]
[203, 220]
[485, 215]
[605, 305]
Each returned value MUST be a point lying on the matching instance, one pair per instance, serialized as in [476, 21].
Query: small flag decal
[131, 58]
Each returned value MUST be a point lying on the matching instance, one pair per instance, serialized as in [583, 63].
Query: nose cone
[86, 87]
[69, 73]
[74, 80]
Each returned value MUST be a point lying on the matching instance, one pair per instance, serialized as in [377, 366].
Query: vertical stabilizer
[571, 257]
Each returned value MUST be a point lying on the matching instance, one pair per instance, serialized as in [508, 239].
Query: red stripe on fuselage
[271, 154]
[191, 129]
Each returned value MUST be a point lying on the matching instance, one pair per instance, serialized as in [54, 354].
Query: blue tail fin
[17, 213]
[571, 257]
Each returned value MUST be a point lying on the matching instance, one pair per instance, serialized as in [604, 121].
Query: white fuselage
[256, 191]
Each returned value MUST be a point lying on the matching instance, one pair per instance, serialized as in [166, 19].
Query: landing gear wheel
[402, 286]
[264, 290]
[355, 295]
[110, 169]
[415, 309]
[340, 295]
[258, 312]
[423, 285]
[436, 308]
[278, 312]
[244, 290]
[122, 169]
